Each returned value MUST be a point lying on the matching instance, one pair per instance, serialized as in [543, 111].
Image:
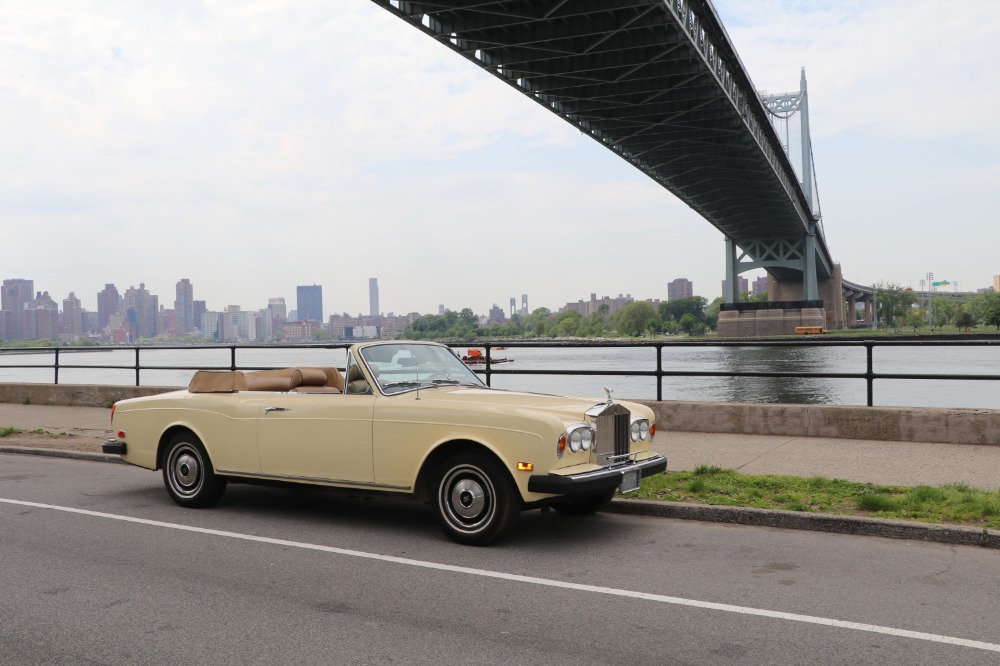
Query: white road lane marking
[596, 589]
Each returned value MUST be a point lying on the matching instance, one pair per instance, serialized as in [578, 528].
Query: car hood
[487, 399]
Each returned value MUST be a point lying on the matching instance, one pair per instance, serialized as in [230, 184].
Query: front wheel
[188, 474]
[476, 501]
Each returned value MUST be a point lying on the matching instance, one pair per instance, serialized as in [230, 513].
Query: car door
[317, 437]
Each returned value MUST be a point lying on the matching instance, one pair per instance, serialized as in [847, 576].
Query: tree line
[692, 315]
[899, 308]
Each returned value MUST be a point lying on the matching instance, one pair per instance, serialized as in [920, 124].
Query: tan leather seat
[356, 382]
[217, 381]
[301, 380]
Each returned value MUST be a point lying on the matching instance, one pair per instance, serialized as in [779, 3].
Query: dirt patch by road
[66, 441]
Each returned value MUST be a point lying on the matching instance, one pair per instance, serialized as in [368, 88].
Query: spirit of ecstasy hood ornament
[608, 391]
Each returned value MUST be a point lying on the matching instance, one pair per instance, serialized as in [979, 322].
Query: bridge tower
[791, 262]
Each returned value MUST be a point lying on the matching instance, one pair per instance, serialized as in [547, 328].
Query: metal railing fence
[489, 369]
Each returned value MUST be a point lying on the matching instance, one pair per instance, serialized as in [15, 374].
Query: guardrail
[489, 369]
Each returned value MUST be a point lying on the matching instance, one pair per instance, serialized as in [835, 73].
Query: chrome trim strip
[310, 479]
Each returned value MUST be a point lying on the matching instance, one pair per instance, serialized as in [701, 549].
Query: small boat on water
[477, 357]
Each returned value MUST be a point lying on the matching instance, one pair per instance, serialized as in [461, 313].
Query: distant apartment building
[277, 309]
[680, 288]
[141, 309]
[373, 305]
[72, 319]
[211, 325]
[339, 323]
[309, 302]
[40, 318]
[198, 311]
[299, 331]
[595, 304]
[496, 315]
[759, 286]
[184, 306]
[15, 294]
[108, 305]
[238, 325]
[393, 326]
[996, 283]
[741, 282]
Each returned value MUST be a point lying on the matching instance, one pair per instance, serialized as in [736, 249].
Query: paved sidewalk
[887, 463]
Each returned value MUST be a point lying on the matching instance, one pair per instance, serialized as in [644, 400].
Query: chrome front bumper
[597, 481]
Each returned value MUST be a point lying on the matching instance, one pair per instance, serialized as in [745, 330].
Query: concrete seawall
[902, 424]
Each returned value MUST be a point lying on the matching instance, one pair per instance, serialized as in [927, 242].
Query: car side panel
[225, 423]
[317, 436]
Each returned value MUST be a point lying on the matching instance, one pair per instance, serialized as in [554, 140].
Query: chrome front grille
[612, 445]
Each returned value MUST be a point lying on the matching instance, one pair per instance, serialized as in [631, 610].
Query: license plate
[630, 481]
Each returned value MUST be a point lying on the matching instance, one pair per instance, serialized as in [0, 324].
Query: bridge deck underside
[626, 73]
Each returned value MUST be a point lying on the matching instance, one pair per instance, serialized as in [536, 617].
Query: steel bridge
[659, 83]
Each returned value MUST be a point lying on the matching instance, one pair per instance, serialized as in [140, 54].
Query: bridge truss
[659, 83]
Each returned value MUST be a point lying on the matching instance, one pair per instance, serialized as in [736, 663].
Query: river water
[815, 390]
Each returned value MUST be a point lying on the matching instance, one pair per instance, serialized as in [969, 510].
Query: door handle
[268, 410]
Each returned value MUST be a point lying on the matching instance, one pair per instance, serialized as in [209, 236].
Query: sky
[258, 145]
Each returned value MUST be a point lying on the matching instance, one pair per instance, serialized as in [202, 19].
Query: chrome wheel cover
[185, 469]
[467, 498]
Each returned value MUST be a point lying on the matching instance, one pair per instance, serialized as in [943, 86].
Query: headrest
[309, 377]
[217, 381]
[334, 378]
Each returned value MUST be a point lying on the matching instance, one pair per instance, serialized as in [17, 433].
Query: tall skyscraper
[184, 306]
[14, 295]
[108, 302]
[72, 316]
[141, 308]
[996, 283]
[680, 288]
[373, 309]
[309, 302]
[524, 305]
[277, 310]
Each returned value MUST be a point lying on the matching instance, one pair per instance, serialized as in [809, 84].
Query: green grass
[951, 504]
[11, 430]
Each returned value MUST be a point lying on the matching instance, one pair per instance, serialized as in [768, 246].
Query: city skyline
[284, 138]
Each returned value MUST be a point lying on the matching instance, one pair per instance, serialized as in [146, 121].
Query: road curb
[796, 520]
[60, 453]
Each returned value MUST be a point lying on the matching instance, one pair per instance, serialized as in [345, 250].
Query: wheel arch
[423, 489]
[169, 434]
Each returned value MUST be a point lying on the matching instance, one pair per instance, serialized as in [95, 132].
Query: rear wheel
[585, 506]
[476, 501]
[188, 474]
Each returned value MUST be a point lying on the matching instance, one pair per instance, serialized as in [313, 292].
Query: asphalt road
[98, 566]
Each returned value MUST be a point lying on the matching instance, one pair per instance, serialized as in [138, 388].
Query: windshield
[404, 367]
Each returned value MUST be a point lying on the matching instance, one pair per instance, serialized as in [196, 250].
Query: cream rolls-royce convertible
[403, 417]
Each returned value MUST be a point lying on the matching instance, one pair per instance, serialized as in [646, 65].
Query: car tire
[188, 474]
[585, 506]
[475, 499]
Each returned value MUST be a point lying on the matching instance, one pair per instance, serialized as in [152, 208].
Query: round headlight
[575, 440]
[587, 438]
[643, 430]
[634, 431]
